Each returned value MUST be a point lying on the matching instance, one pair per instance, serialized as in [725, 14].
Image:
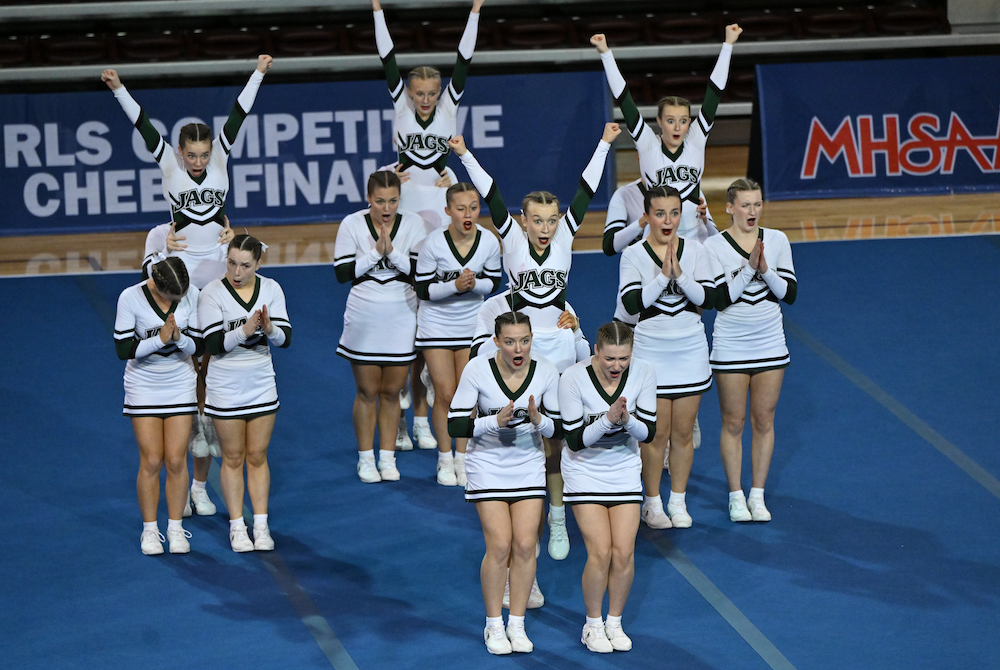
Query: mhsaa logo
[928, 149]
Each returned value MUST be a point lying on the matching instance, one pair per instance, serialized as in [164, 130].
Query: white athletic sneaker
[405, 398]
[757, 510]
[403, 442]
[654, 516]
[496, 640]
[535, 598]
[596, 639]
[446, 473]
[617, 637]
[388, 471]
[151, 542]
[202, 505]
[519, 641]
[558, 538]
[178, 541]
[460, 478]
[424, 437]
[679, 517]
[368, 473]
[738, 509]
[240, 541]
[187, 507]
[262, 540]
[425, 379]
[696, 434]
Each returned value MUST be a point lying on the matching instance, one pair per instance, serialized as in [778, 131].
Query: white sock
[366, 456]
[197, 486]
[613, 620]
[237, 524]
[557, 513]
[757, 494]
[676, 498]
[597, 622]
[386, 457]
[445, 457]
[652, 501]
[421, 421]
[459, 458]
[259, 520]
[494, 622]
[174, 524]
[736, 495]
[515, 621]
[150, 525]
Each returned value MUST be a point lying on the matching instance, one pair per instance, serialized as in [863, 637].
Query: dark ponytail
[245, 242]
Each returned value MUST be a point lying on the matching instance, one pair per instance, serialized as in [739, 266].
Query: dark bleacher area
[48, 41]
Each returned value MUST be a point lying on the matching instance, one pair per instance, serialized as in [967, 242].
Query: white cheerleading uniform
[670, 334]
[682, 169]
[538, 281]
[159, 378]
[197, 204]
[422, 145]
[446, 318]
[504, 463]
[600, 463]
[748, 335]
[240, 380]
[486, 321]
[380, 319]
[622, 229]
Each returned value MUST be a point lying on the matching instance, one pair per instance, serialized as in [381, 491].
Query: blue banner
[878, 128]
[73, 163]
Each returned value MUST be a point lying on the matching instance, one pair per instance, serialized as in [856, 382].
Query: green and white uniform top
[423, 145]
[681, 169]
[197, 204]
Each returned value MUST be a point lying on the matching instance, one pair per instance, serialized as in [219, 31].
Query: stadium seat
[685, 29]
[765, 27]
[839, 23]
[691, 85]
[305, 41]
[741, 85]
[445, 36]
[153, 47]
[910, 20]
[15, 51]
[535, 34]
[74, 49]
[227, 43]
[621, 31]
[405, 38]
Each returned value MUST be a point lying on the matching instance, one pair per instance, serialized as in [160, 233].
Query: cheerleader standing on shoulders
[457, 266]
[195, 184]
[608, 404]
[516, 403]
[538, 260]
[243, 314]
[664, 281]
[376, 251]
[749, 354]
[156, 332]
[677, 157]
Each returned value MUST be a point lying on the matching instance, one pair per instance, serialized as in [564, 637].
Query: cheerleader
[677, 157]
[424, 121]
[749, 355]
[664, 281]
[376, 251]
[538, 261]
[243, 314]
[195, 184]
[156, 332]
[515, 399]
[457, 266]
[609, 406]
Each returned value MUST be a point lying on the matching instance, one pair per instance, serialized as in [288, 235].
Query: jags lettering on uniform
[671, 289]
[534, 279]
[520, 415]
[418, 142]
[195, 197]
[152, 332]
[449, 275]
[668, 175]
[591, 418]
[384, 264]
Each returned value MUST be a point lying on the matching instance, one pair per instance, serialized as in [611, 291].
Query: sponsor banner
[878, 128]
[73, 163]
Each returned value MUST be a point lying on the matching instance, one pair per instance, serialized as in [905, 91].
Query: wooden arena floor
[802, 221]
